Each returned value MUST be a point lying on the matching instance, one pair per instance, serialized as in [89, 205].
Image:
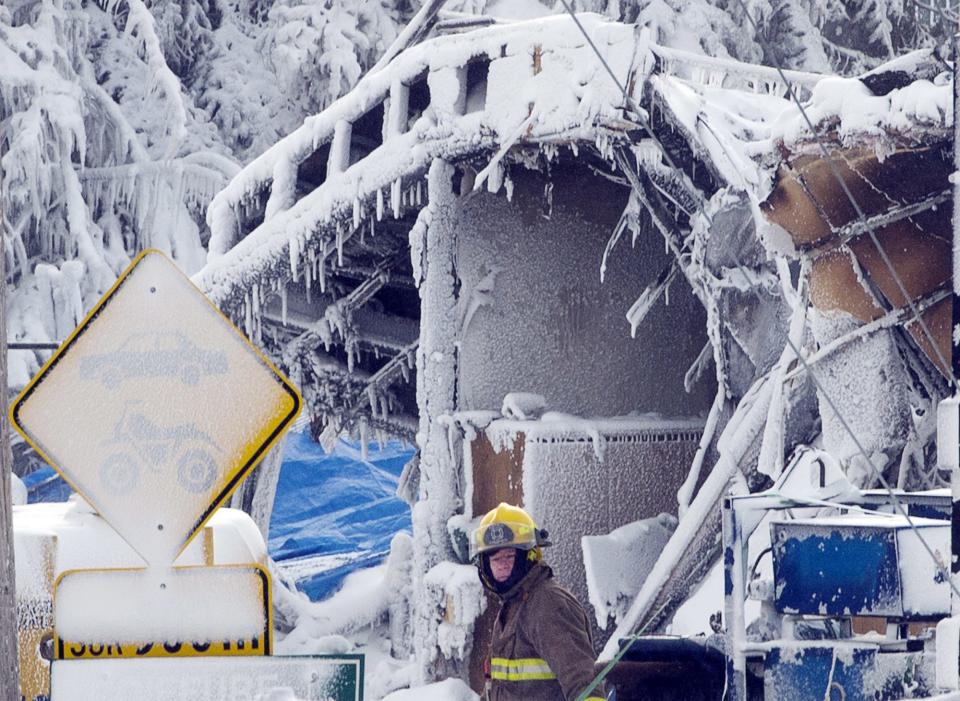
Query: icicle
[307, 281]
[283, 305]
[405, 371]
[323, 274]
[379, 205]
[419, 193]
[363, 440]
[648, 153]
[495, 179]
[294, 257]
[395, 197]
[247, 318]
[372, 399]
[508, 184]
[339, 246]
[373, 229]
[356, 212]
[255, 294]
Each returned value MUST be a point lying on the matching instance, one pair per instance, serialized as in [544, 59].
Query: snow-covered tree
[320, 50]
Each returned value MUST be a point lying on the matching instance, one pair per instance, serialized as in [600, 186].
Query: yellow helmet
[506, 526]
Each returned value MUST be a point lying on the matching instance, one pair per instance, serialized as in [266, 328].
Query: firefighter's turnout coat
[541, 648]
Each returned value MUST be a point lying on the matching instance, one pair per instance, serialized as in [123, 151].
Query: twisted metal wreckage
[398, 234]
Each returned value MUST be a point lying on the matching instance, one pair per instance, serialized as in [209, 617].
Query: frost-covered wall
[641, 471]
[542, 320]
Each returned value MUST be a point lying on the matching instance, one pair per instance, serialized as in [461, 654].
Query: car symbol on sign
[154, 354]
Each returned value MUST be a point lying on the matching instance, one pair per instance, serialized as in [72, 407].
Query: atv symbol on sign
[154, 354]
[141, 444]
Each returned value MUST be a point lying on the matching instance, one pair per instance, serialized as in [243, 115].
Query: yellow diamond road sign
[155, 408]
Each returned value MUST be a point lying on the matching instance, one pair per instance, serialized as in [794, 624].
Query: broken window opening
[367, 133]
[251, 214]
[312, 172]
[417, 101]
[478, 69]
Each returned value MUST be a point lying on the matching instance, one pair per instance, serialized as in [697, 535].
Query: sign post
[9, 676]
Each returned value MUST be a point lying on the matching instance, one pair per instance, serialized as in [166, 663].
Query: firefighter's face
[501, 563]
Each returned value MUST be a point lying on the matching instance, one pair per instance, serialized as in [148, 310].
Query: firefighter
[541, 648]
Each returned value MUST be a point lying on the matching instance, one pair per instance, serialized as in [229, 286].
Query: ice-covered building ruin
[582, 285]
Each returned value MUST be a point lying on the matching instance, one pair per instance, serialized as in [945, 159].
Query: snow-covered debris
[617, 563]
[460, 599]
[552, 426]
[918, 112]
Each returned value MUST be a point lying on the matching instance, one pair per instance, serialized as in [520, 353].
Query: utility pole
[9, 664]
[953, 461]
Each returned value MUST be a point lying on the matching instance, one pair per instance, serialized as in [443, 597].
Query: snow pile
[447, 690]
[617, 563]
[160, 604]
[18, 490]
[523, 406]
[362, 602]
[371, 614]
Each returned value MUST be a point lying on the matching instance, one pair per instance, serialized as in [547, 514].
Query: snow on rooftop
[855, 112]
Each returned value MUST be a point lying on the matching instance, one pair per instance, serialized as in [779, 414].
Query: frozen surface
[554, 328]
[569, 91]
[624, 469]
[869, 385]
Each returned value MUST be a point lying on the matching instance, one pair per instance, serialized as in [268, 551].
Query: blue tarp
[337, 504]
[45, 485]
